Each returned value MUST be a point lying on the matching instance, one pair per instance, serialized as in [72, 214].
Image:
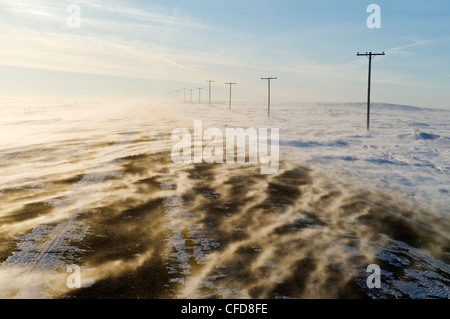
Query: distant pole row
[176, 94]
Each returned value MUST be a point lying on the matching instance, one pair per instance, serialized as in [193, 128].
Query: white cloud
[119, 40]
[415, 44]
[124, 45]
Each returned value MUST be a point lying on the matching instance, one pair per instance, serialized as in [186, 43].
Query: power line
[268, 100]
[370, 55]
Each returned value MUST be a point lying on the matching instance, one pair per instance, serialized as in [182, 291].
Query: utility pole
[230, 84]
[209, 81]
[370, 55]
[191, 93]
[268, 100]
[184, 89]
[199, 95]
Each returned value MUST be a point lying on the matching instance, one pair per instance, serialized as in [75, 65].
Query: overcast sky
[148, 48]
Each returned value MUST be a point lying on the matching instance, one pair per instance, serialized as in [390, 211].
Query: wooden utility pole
[209, 81]
[199, 95]
[370, 55]
[268, 100]
[184, 89]
[191, 93]
[230, 84]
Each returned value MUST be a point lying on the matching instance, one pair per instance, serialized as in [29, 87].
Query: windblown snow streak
[109, 199]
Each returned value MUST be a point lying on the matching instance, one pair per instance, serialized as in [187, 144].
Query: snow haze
[406, 149]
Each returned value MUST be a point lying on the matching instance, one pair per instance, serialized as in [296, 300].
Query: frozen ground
[407, 149]
[93, 184]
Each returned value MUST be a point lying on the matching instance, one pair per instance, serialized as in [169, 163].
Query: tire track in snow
[187, 247]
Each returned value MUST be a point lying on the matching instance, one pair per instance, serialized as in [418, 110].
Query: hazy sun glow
[141, 48]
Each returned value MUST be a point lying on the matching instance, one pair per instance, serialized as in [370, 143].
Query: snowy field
[407, 149]
[91, 184]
